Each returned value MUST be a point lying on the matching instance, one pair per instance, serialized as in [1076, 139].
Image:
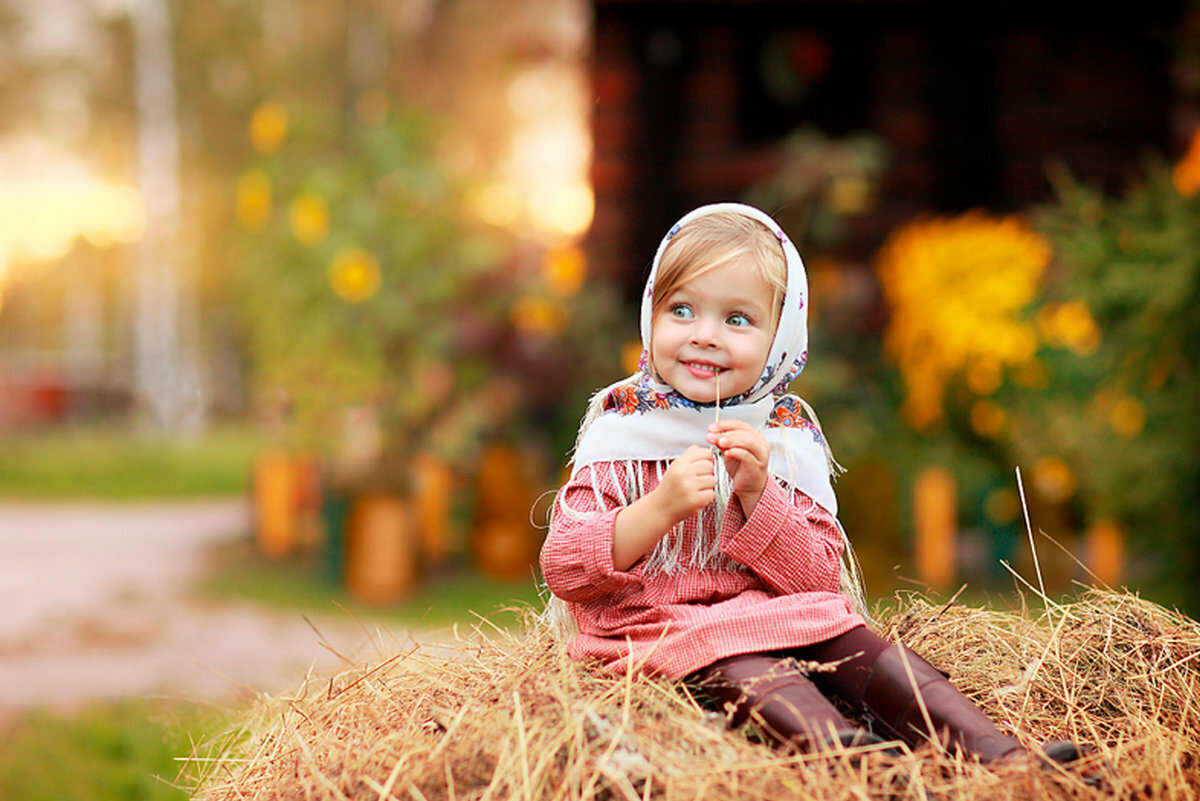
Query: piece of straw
[716, 452]
[1037, 568]
[717, 382]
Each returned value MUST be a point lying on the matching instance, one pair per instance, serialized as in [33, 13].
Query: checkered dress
[781, 593]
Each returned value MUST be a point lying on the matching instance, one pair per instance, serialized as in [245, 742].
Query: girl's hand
[688, 485]
[746, 455]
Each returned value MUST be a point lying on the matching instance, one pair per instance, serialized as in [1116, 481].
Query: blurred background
[361, 263]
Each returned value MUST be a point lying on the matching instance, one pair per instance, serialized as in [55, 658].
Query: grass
[456, 594]
[117, 464]
[121, 750]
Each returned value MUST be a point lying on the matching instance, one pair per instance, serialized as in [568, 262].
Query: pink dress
[785, 596]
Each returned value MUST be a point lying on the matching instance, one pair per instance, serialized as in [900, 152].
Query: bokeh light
[564, 270]
[309, 218]
[253, 200]
[354, 275]
[268, 127]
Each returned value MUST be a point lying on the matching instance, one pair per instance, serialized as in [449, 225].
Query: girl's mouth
[702, 370]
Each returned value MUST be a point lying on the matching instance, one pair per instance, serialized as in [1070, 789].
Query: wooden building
[973, 98]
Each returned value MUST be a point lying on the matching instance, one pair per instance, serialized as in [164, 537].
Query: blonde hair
[713, 241]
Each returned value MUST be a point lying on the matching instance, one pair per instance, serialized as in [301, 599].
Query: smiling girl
[710, 552]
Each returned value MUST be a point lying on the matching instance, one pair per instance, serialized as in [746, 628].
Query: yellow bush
[956, 288]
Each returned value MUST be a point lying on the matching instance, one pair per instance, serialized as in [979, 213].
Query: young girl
[696, 538]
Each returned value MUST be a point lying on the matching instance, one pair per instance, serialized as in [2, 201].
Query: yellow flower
[956, 287]
[538, 316]
[268, 127]
[985, 376]
[309, 217]
[849, 194]
[1069, 325]
[1186, 174]
[354, 275]
[564, 269]
[1053, 478]
[988, 419]
[1127, 417]
[253, 200]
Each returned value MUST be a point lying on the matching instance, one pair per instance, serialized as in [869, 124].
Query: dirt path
[95, 604]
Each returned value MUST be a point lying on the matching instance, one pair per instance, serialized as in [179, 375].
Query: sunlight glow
[43, 217]
[543, 184]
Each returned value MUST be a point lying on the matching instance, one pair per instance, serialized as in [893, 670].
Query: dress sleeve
[576, 558]
[790, 542]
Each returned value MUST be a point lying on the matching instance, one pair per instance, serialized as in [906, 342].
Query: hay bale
[511, 717]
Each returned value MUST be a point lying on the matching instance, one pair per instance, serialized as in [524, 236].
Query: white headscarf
[642, 419]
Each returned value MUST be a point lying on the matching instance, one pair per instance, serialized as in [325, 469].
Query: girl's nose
[704, 334]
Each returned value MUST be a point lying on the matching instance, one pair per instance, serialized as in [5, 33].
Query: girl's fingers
[722, 431]
[735, 463]
[730, 424]
[750, 444]
[733, 428]
[740, 454]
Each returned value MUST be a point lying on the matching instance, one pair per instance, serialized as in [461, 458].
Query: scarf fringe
[667, 556]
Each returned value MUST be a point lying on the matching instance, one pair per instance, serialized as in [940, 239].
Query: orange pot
[434, 486]
[274, 490]
[504, 542]
[1106, 552]
[381, 549]
[505, 550]
[936, 523]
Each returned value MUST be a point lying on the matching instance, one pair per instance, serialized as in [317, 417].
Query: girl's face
[721, 322]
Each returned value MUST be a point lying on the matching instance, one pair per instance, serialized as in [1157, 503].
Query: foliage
[374, 295]
[1082, 366]
[821, 183]
[366, 284]
[1122, 413]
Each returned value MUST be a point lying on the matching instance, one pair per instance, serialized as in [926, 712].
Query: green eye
[739, 319]
[682, 312]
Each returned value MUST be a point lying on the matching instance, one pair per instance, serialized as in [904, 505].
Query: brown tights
[902, 692]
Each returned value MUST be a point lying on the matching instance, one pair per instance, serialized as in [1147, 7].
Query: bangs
[713, 241]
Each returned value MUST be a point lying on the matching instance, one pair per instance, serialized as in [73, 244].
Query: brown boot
[891, 697]
[791, 710]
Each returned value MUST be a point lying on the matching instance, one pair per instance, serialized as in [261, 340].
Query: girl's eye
[739, 319]
[681, 311]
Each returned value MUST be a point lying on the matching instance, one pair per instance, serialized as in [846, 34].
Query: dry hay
[511, 717]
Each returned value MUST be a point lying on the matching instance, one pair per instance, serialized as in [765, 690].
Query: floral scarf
[640, 419]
